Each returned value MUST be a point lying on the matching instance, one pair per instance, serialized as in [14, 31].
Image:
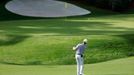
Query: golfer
[79, 56]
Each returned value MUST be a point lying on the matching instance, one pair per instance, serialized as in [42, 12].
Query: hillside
[38, 41]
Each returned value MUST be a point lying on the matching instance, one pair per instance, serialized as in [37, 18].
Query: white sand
[44, 8]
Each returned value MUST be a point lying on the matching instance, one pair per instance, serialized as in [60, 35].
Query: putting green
[123, 66]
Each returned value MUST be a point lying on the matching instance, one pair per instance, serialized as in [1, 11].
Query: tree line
[116, 5]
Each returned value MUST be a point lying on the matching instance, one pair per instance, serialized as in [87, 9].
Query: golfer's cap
[85, 40]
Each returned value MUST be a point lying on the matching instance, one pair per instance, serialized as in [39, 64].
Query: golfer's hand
[74, 48]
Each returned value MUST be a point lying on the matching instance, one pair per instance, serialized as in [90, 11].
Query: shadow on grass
[129, 38]
[63, 27]
[130, 41]
[11, 39]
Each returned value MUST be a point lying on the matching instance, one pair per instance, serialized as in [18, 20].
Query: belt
[80, 55]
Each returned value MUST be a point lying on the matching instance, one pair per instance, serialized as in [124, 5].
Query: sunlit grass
[116, 67]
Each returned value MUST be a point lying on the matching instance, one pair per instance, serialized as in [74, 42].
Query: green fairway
[116, 67]
[43, 41]
[43, 46]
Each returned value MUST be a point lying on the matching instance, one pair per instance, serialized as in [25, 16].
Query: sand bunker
[44, 8]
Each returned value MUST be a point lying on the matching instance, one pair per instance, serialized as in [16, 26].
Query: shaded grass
[67, 27]
[11, 40]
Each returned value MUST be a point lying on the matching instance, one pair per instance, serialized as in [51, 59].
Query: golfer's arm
[75, 48]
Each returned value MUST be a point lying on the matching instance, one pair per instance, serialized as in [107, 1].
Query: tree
[116, 5]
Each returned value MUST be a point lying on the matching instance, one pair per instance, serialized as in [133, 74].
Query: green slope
[30, 41]
[115, 67]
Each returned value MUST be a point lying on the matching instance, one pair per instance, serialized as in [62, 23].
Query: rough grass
[37, 41]
[58, 49]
